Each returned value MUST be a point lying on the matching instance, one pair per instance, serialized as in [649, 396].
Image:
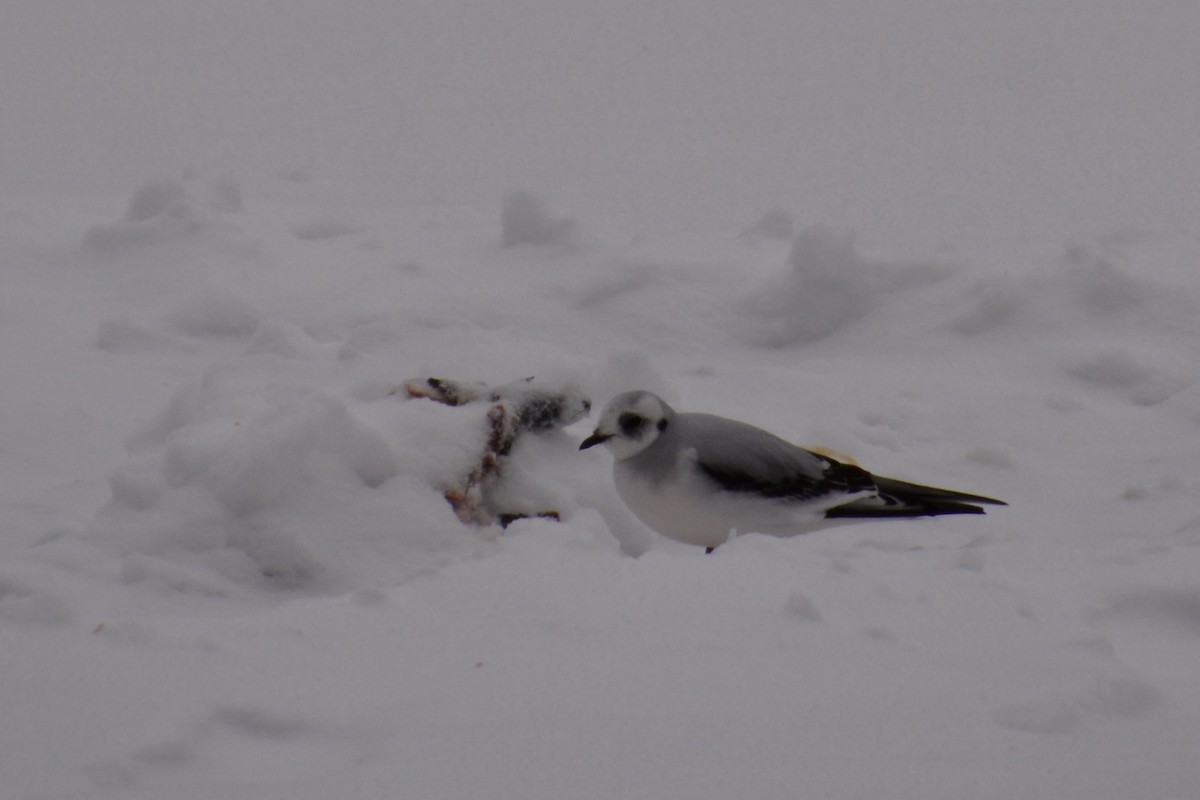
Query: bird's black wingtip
[851, 511]
[899, 507]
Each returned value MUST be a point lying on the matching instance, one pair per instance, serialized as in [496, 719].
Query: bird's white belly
[689, 510]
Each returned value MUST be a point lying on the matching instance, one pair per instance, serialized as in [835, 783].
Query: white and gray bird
[699, 478]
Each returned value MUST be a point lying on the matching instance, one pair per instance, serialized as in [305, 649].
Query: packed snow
[959, 245]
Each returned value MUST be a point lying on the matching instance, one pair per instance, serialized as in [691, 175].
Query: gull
[700, 478]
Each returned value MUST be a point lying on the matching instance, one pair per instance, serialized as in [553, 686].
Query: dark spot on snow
[259, 723]
[323, 229]
[1178, 607]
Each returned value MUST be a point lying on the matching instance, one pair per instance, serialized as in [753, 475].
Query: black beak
[595, 439]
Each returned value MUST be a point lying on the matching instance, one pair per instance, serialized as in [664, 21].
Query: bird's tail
[903, 499]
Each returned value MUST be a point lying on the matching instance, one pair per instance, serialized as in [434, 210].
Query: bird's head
[630, 423]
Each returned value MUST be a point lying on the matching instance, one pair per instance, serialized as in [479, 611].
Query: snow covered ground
[960, 244]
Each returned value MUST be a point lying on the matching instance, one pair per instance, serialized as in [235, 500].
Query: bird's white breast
[687, 507]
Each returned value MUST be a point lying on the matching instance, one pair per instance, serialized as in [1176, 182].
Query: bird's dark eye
[630, 423]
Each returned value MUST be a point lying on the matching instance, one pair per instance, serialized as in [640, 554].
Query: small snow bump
[1103, 696]
[280, 557]
[1189, 533]
[1099, 285]
[622, 282]
[799, 605]
[137, 488]
[366, 452]
[163, 211]
[157, 198]
[526, 218]
[990, 457]
[169, 577]
[1117, 370]
[993, 306]
[1135, 493]
[370, 598]
[260, 723]
[281, 339]
[226, 196]
[127, 336]
[216, 315]
[1119, 696]
[23, 604]
[878, 633]
[1141, 380]
[11, 588]
[829, 286]
[1064, 404]
[1175, 607]
[776, 223]
[1100, 645]
[1054, 715]
[318, 229]
[970, 559]
[174, 753]
[825, 289]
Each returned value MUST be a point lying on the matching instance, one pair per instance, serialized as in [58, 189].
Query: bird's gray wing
[745, 459]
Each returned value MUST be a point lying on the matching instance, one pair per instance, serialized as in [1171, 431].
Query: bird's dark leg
[708, 550]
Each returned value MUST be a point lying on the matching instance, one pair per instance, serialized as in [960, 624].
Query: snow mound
[776, 223]
[526, 218]
[1109, 285]
[1143, 379]
[258, 474]
[1109, 318]
[1069, 711]
[215, 314]
[124, 335]
[165, 209]
[289, 467]
[829, 286]
[22, 603]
